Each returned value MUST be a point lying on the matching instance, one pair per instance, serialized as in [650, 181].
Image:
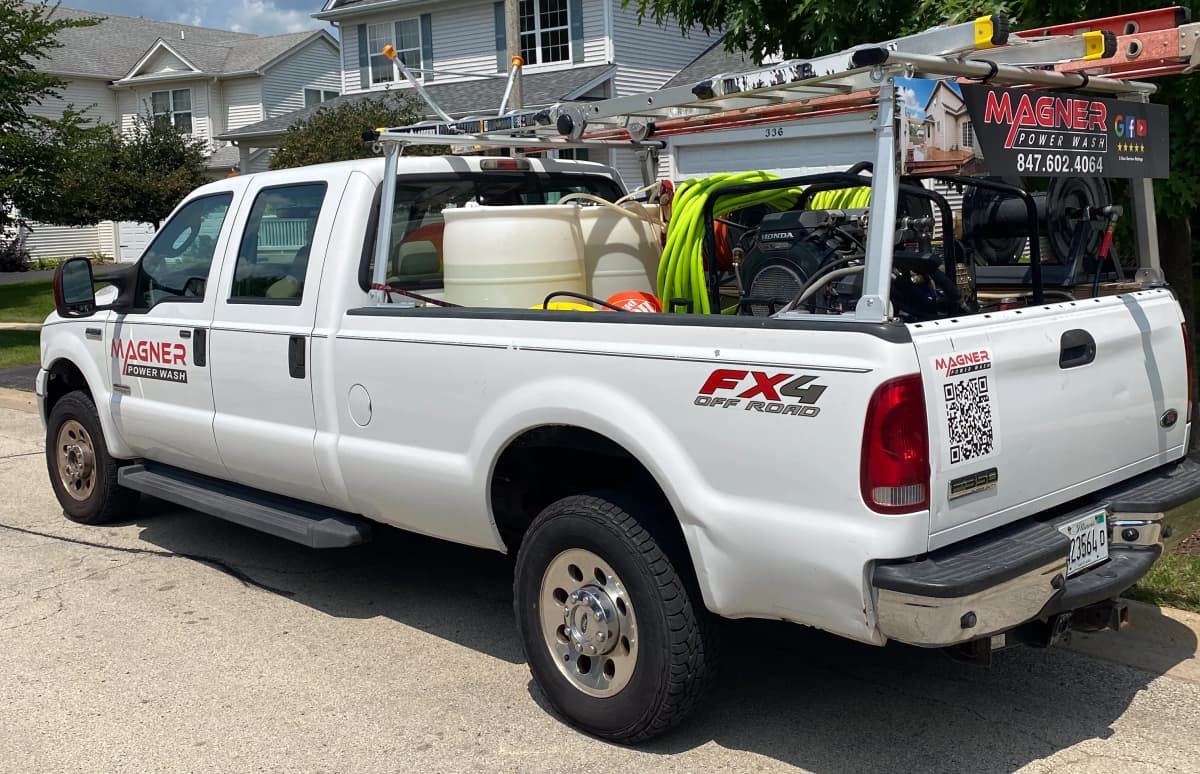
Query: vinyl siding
[243, 102]
[92, 97]
[648, 55]
[595, 43]
[135, 100]
[47, 241]
[314, 67]
[464, 38]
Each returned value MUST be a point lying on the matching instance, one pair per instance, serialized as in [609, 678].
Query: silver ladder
[978, 46]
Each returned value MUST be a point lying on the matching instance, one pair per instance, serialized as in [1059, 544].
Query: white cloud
[908, 100]
[264, 17]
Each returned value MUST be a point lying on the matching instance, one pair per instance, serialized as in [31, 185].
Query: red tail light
[1187, 353]
[895, 450]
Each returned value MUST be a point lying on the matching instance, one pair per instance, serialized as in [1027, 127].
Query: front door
[158, 353]
[265, 422]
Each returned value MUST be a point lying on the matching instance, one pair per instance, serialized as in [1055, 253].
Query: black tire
[101, 500]
[676, 643]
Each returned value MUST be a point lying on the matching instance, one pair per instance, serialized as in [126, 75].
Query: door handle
[199, 345]
[296, 347]
[1078, 348]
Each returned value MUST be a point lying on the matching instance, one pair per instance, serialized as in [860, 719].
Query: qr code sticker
[969, 419]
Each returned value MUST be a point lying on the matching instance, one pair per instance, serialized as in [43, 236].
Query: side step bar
[312, 525]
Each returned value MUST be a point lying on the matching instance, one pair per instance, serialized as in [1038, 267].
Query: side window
[176, 264]
[273, 255]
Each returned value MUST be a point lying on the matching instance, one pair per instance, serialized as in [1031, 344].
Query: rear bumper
[1016, 574]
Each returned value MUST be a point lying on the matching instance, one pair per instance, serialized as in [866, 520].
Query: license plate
[1089, 540]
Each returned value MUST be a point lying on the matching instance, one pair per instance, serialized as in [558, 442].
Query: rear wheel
[82, 473]
[615, 636]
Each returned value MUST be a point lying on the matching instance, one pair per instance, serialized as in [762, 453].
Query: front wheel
[82, 472]
[615, 635]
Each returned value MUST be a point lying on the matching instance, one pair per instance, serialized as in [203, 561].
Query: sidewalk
[8, 326]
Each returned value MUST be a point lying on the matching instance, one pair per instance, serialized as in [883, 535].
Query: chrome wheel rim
[588, 623]
[76, 460]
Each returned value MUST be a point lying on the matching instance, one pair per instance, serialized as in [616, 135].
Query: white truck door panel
[1031, 408]
[265, 425]
[157, 355]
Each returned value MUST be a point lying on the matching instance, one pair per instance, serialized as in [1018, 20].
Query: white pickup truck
[961, 482]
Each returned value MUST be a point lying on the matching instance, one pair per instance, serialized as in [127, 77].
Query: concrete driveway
[177, 642]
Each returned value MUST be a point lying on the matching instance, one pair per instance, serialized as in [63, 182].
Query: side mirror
[74, 294]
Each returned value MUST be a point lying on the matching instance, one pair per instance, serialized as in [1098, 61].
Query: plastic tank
[620, 252]
[511, 256]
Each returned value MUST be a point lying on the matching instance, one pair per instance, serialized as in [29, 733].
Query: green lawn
[1174, 580]
[18, 348]
[27, 302]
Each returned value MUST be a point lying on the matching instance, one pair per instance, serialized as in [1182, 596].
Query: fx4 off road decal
[786, 394]
[152, 359]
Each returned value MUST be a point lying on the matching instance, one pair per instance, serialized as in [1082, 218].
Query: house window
[968, 137]
[173, 107]
[405, 35]
[545, 31]
[317, 96]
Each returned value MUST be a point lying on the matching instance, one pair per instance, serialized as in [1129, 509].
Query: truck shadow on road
[785, 692]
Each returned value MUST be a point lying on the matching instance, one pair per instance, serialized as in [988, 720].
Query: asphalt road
[177, 642]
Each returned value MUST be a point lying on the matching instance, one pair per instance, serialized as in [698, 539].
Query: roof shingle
[111, 49]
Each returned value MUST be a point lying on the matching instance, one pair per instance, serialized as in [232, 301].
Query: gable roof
[457, 98]
[714, 60]
[114, 48]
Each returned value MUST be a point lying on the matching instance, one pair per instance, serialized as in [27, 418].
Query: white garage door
[134, 239]
[786, 149]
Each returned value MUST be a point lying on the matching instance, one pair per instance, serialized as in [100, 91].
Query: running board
[312, 525]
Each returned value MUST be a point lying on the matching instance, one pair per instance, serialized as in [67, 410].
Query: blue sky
[261, 17]
[914, 93]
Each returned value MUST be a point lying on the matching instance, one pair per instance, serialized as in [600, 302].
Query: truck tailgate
[1031, 408]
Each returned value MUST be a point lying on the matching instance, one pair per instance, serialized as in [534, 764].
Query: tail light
[1187, 353]
[895, 450]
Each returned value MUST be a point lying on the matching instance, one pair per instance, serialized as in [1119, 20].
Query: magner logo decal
[152, 359]
[963, 362]
[786, 394]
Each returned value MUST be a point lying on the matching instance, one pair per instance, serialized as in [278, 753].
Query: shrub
[13, 255]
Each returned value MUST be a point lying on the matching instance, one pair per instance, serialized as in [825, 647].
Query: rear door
[265, 425]
[1031, 408]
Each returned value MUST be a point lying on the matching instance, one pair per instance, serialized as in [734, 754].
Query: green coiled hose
[681, 271]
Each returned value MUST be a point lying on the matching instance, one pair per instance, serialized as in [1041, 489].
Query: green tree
[335, 133]
[137, 175]
[33, 149]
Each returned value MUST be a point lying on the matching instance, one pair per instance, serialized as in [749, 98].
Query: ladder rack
[1087, 56]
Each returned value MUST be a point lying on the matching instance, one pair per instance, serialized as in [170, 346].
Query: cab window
[175, 266]
[415, 247]
[274, 251]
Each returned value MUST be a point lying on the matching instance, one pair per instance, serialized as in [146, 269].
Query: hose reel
[995, 225]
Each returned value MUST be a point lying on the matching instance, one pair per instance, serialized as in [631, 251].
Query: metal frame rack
[862, 77]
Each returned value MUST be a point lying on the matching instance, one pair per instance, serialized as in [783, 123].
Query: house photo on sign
[1002, 131]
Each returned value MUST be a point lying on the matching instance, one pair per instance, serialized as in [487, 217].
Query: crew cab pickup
[965, 483]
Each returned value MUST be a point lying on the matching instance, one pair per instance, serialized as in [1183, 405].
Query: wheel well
[549, 463]
[64, 377]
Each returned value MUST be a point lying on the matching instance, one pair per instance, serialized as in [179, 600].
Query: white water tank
[620, 251]
[511, 256]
